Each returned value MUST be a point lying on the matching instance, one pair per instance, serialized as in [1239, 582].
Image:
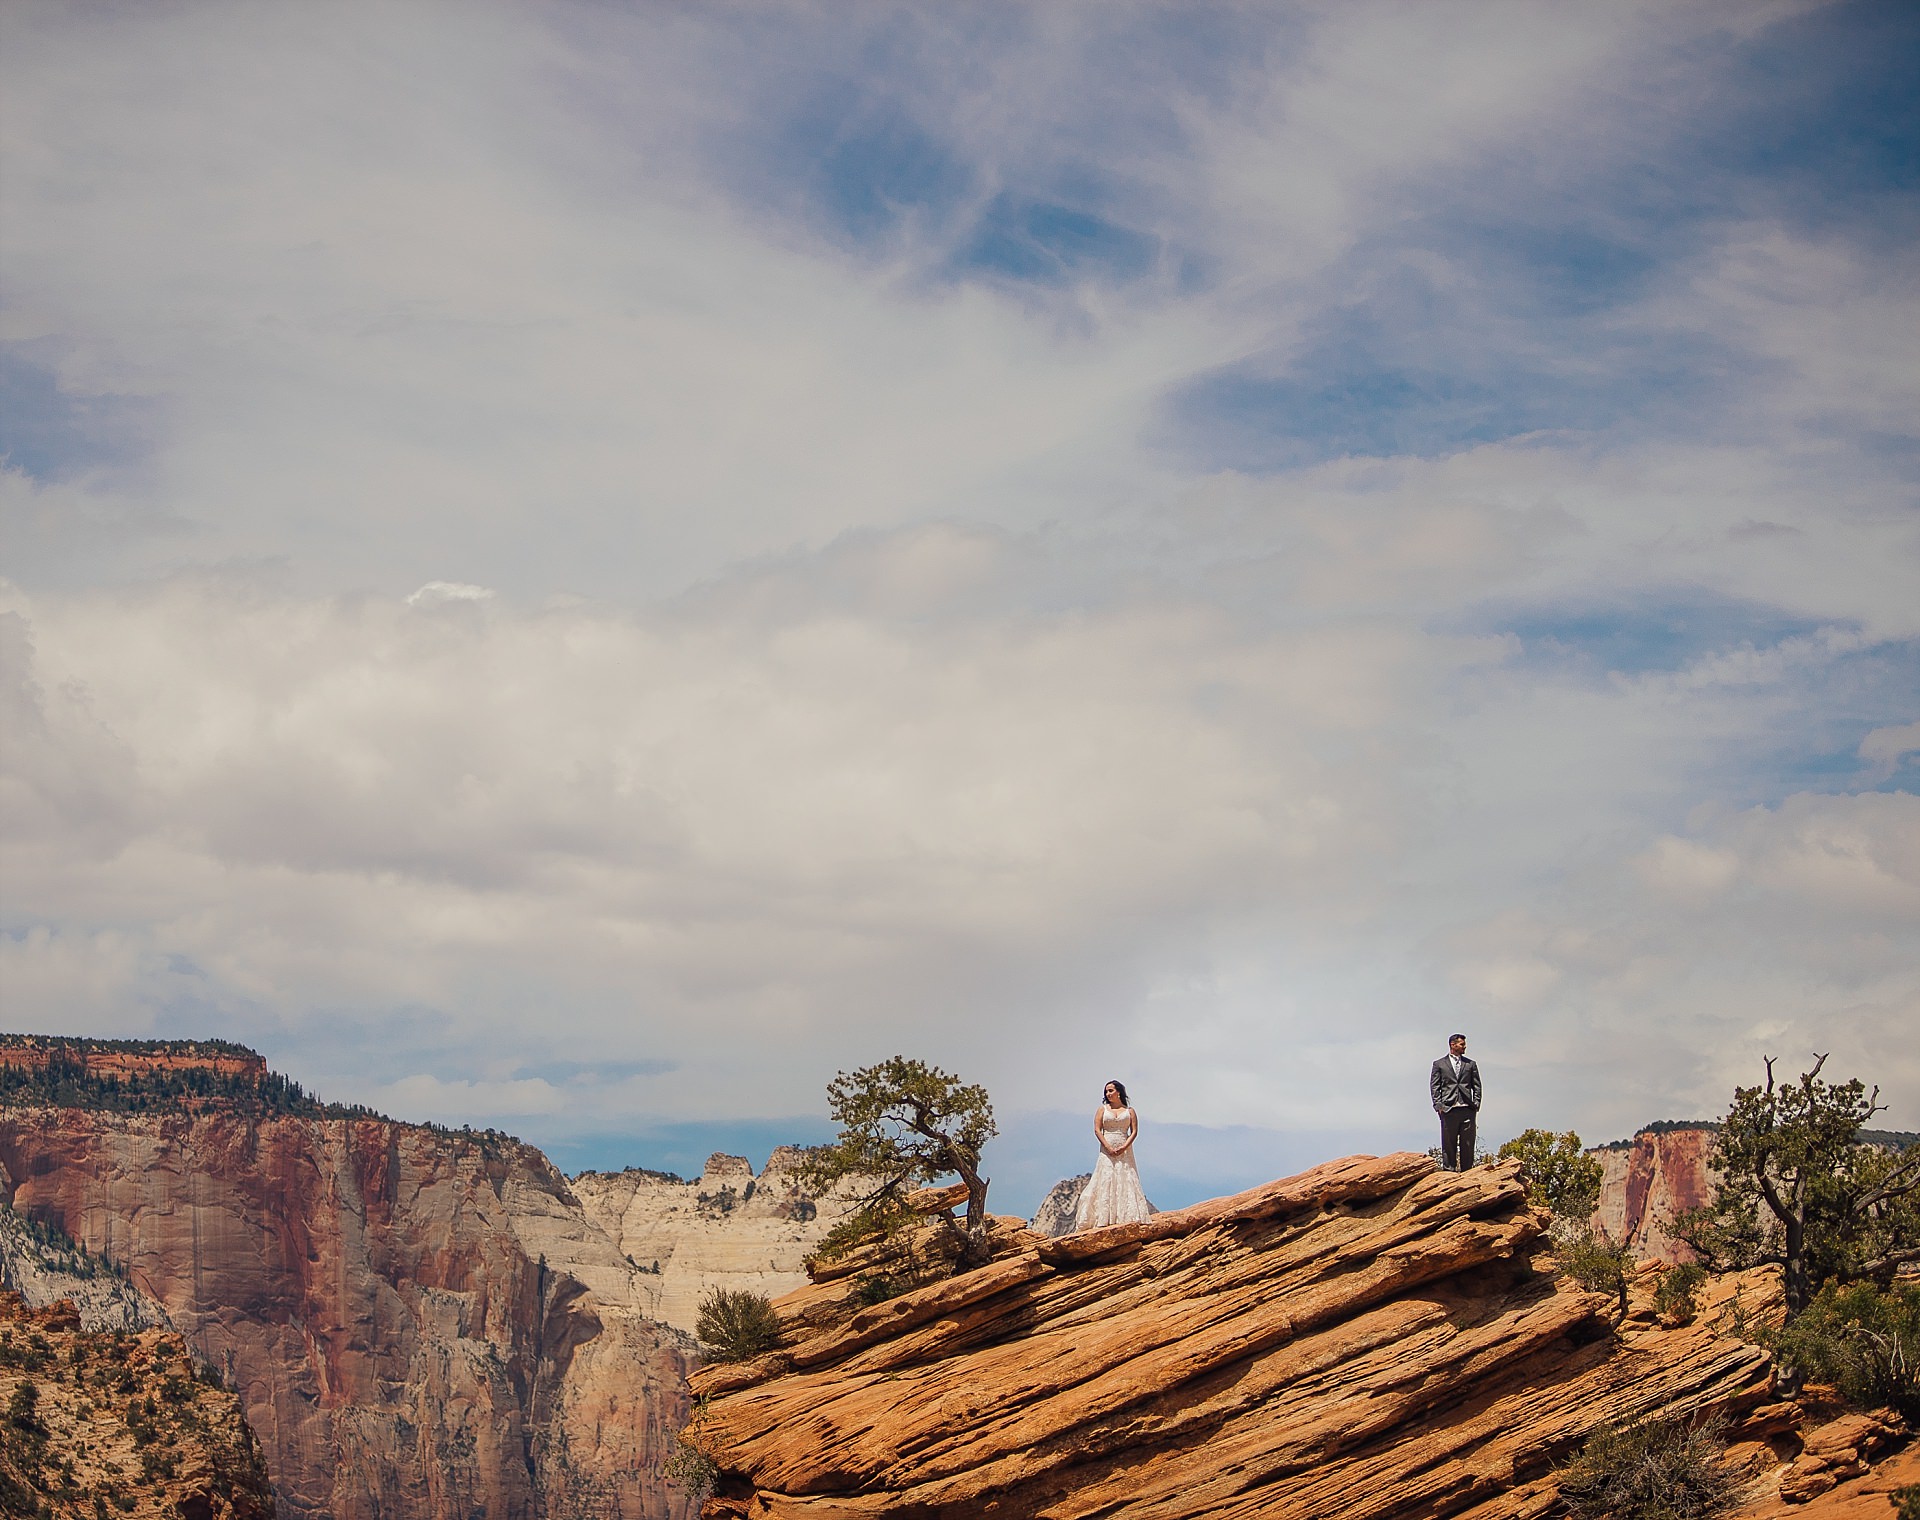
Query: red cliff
[1645, 1184]
[418, 1323]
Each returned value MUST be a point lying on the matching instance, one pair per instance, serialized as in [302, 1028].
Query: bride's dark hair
[1118, 1086]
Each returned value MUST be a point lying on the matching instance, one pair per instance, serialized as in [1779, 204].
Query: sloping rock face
[1645, 1185]
[118, 1424]
[1373, 1340]
[727, 1228]
[419, 1324]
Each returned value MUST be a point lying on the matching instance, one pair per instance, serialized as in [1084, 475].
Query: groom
[1455, 1085]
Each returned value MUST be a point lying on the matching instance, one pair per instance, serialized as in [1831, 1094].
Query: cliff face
[419, 1324]
[727, 1228]
[118, 1424]
[1373, 1340]
[1643, 1186]
[46, 1270]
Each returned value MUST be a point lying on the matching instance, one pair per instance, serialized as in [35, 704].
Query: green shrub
[737, 1323]
[1595, 1262]
[1653, 1470]
[1863, 1339]
[1906, 1502]
[1678, 1296]
[689, 1464]
[1557, 1171]
[871, 1288]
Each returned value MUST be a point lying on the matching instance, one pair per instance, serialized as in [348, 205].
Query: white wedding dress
[1112, 1195]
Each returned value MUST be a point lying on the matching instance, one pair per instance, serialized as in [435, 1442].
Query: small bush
[1653, 1470]
[871, 1288]
[1863, 1339]
[1557, 1171]
[1678, 1296]
[1906, 1502]
[1595, 1262]
[689, 1464]
[737, 1323]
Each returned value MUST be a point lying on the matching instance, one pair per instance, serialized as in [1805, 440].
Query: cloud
[700, 550]
[1886, 748]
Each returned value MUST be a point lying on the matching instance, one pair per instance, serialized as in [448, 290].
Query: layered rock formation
[418, 1323]
[1645, 1184]
[118, 1424]
[1372, 1339]
[727, 1228]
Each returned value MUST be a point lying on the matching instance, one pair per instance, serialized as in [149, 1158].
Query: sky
[582, 568]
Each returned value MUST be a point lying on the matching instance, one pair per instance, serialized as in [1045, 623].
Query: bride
[1112, 1195]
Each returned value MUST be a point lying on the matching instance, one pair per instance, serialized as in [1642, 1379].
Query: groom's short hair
[1452, 1037]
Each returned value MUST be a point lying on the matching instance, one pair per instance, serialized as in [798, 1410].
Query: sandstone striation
[1373, 1339]
[1645, 1184]
[118, 1424]
[418, 1323]
[727, 1228]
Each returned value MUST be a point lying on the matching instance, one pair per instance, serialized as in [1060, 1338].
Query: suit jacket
[1450, 1091]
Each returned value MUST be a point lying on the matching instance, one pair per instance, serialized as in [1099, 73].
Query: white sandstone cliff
[727, 1228]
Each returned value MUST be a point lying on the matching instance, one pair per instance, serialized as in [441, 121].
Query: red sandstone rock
[419, 1324]
[1645, 1185]
[1371, 1340]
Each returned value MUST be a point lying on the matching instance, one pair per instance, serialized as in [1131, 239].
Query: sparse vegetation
[737, 1323]
[1802, 1189]
[1557, 1170]
[903, 1123]
[871, 1288]
[690, 1465]
[1906, 1502]
[1595, 1262]
[1653, 1470]
[1678, 1296]
[1863, 1339]
[90, 1424]
[64, 1080]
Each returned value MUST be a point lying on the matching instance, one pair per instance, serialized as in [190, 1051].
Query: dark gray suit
[1456, 1099]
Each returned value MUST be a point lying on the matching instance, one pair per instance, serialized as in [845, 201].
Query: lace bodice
[1114, 1122]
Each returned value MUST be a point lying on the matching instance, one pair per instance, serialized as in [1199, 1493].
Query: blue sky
[585, 569]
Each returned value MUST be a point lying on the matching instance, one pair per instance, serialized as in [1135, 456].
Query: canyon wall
[1372, 1340]
[727, 1228]
[1645, 1184]
[420, 1325]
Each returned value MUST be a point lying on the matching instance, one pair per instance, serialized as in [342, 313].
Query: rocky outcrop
[118, 1424]
[45, 1269]
[418, 1323]
[1646, 1183]
[1373, 1339]
[727, 1228]
[1055, 1215]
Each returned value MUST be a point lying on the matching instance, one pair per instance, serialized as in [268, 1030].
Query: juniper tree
[902, 1124]
[1801, 1189]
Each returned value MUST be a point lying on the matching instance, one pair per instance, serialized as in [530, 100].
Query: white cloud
[573, 597]
[1885, 748]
